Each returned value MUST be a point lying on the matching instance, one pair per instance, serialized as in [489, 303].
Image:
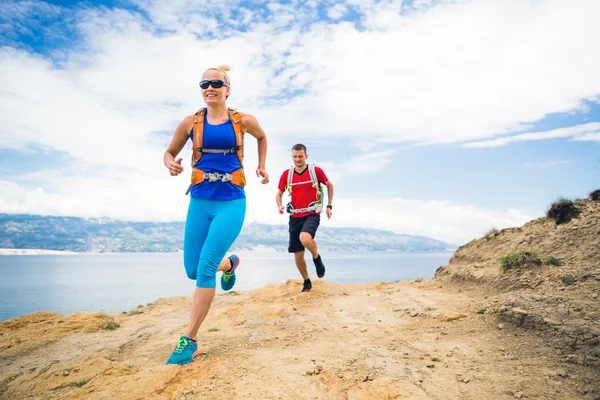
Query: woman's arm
[180, 137]
[252, 126]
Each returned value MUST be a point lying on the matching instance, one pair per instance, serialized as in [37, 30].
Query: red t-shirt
[303, 193]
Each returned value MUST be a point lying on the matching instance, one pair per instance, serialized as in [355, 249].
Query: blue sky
[439, 118]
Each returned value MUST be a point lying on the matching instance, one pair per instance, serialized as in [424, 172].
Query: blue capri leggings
[210, 229]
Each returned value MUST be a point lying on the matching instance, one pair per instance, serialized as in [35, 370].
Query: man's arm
[329, 192]
[329, 210]
[278, 200]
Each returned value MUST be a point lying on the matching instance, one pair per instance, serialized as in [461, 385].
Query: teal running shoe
[228, 278]
[184, 352]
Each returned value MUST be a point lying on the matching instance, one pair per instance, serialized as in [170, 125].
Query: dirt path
[412, 340]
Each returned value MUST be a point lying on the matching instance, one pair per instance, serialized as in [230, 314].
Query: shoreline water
[34, 252]
[119, 281]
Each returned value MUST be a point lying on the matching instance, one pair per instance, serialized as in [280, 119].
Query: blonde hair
[223, 69]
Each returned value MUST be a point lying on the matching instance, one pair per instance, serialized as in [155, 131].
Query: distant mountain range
[24, 231]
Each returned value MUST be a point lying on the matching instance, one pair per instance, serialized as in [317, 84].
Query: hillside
[560, 302]
[471, 333]
[18, 231]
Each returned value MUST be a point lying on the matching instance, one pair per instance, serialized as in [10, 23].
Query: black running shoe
[320, 267]
[307, 286]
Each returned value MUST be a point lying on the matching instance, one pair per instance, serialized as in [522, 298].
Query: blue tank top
[220, 136]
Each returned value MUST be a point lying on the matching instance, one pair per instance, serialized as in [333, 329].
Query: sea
[117, 282]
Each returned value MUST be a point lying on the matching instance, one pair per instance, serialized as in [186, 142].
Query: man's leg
[309, 230]
[301, 264]
[311, 244]
[296, 247]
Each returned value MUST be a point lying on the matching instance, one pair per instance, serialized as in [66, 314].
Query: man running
[304, 182]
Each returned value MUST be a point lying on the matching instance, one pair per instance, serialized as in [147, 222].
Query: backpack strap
[289, 181]
[198, 139]
[313, 175]
[316, 184]
[238, 129]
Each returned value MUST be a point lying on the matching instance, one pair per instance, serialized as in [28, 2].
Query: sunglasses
[216, 83]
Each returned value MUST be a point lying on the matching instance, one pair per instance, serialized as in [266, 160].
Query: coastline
[32, 252]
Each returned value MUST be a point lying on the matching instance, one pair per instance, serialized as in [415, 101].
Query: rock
[519, 395]
[435, 359]
[451, 316]
[550, 321]
[319, 367]
[419, 280]
[500, 326]
[575, 359]
[414, 313]
[466, 380]
[430, 365]
[309, 372]
[593, 361]
[65, 373]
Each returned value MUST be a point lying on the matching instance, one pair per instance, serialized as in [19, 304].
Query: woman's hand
[261, 173]
[175, 167]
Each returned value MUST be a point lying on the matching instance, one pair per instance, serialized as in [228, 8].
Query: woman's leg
[197, 223]
[196, 230]
[224, 229]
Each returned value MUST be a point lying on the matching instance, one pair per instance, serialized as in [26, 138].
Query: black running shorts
[308, 224]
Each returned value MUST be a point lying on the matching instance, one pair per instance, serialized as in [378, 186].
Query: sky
[442, 118]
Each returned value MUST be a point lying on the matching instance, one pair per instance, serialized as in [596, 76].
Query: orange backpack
[237, 177]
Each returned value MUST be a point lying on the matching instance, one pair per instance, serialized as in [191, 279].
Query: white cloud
[371, 164]
[588, 137]
[584, 132]
[441, 82]
[337, 11]
[547, 164]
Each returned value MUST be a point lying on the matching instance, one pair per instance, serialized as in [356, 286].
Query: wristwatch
[330, 206]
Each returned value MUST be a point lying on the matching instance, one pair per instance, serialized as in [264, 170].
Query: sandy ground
[414, 340]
